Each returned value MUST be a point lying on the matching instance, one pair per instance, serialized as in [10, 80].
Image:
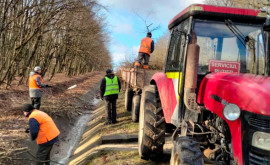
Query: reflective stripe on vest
[146, 45]
[33, 83]
[111, 86]
[47, 128]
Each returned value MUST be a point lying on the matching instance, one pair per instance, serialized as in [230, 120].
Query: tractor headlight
[231, 112]
[261, 140]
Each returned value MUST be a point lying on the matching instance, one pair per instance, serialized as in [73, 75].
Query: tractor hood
[249, 92]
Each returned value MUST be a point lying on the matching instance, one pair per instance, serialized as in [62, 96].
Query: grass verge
[123, 158]
[124, 126]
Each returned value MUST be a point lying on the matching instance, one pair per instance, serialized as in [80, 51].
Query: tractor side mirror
[266, 26]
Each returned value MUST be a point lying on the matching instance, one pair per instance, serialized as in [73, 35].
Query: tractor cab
[229, 40]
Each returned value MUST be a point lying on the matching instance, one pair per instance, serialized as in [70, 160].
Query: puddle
[95, 101]
[66, 148]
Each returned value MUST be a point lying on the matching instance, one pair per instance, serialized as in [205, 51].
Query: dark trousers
[111, 110]
[43, 154]
[36, 102]
[143, 56]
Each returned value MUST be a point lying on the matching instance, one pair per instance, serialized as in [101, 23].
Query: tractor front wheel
[186, 151]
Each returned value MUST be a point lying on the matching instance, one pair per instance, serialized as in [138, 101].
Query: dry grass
[122, 158]
[125, 124]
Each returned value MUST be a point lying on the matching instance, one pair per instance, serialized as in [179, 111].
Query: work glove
[27, 130]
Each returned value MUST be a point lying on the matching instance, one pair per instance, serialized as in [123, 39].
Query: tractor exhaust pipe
[266, 29]
[191, 74]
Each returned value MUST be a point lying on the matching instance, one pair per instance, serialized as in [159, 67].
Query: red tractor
[213, 94]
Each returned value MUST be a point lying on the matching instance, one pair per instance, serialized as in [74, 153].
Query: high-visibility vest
[33, 83]
[112, 86]
[146, 45]
[47, 128]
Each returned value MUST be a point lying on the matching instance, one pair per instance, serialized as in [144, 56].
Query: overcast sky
[127, 28]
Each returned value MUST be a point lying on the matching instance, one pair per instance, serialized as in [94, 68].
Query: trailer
[133, 81]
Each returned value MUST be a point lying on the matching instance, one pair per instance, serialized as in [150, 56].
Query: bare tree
[147, 24]
[220, 2]
[58, 35]
[158, 56]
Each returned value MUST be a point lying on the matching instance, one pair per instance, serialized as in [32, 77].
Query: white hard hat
[37, 68]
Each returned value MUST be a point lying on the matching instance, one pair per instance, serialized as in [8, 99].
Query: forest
[58, 35]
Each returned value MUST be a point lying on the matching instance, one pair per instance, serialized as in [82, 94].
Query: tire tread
[152, 111]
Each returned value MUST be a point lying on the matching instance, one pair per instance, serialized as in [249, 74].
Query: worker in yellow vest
[109, 89]
[43, 130]
[35, 87]
[147, 47]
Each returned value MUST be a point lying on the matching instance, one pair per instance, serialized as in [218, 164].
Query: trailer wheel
[152, 125]
[186, 151]
[128, 99]
[135, 110]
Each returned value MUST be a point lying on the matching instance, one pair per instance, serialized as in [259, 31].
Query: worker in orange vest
[43, 130]
[35, 85]
[147, 47]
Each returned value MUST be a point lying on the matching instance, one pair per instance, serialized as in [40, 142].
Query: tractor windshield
[223, 49]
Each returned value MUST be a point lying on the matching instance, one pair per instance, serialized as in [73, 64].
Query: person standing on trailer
[109, 89]
[147, 47]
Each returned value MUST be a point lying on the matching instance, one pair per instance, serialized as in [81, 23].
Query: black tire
[135, 110]
[152, 125]
[186, 151]
[128, 99]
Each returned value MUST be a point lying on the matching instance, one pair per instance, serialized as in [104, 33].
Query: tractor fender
[166, 93]
[249, 92]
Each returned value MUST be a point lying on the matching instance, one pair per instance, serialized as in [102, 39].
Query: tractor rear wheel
[135, 111]
[186, 151]
[128, 99]
[152, 124]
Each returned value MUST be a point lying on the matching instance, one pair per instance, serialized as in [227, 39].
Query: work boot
[108, 122]
[137, 64]
[114, 122]
[145, 67]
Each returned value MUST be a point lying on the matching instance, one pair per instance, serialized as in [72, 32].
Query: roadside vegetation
[158, 56]
[63, 36]
[67, 38]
